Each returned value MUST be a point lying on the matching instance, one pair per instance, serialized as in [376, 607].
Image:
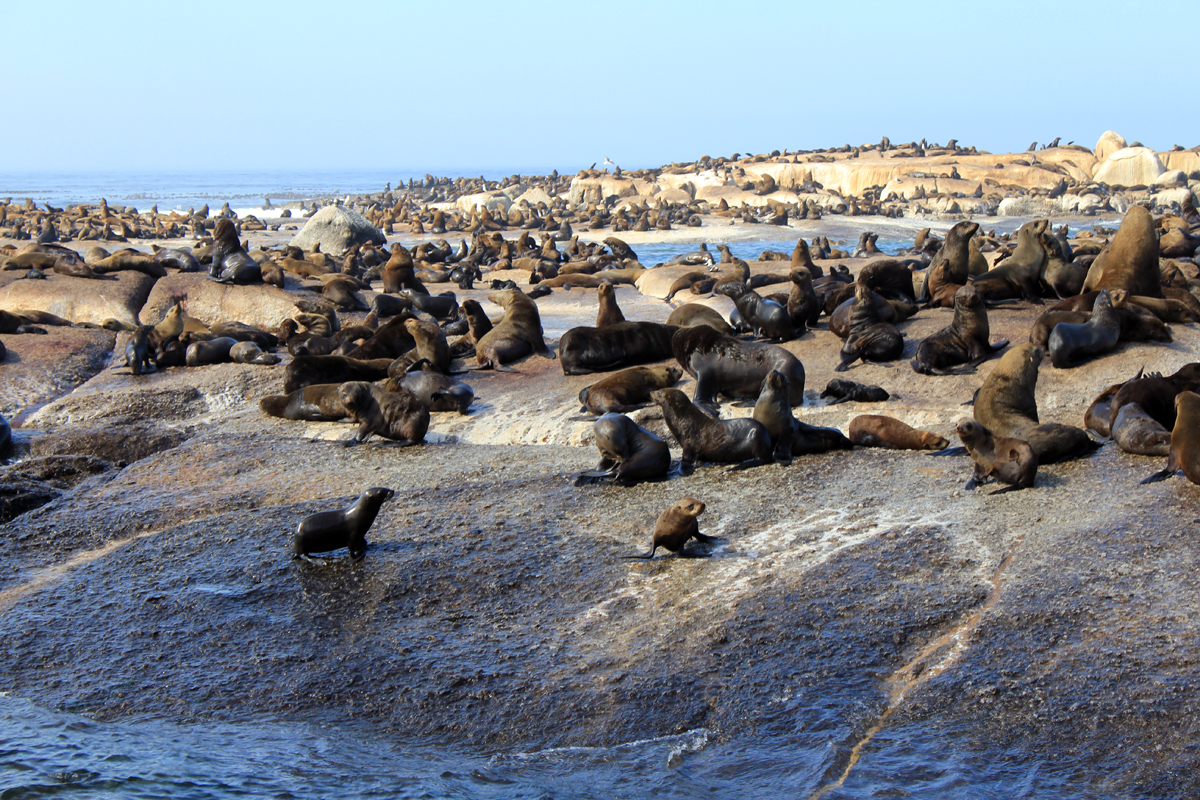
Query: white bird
[608, 161]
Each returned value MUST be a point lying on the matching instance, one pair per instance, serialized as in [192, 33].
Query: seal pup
[629, 453]
[399, 416]
[876, 430]
[137, 350]
[964, 343]
[1184, 453]
[1006, 459]
[744, 442]
[842, 391]
[676, 526]
[333, 530]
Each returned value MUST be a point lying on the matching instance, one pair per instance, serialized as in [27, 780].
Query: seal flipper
[750, 464]
[1161, 475]
[950, 451]
[1012, 487]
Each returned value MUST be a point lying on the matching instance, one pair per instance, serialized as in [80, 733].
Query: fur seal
[963, 343]
[333, 530]
[690, 314]
[137, 350]
[1071, 344]
[629, 453]
[628, 389]
[843, 391]
[583, 350]
[309, 370]
[439, 306]
[1136, 432]
[789, 436]
[742, 441]
[399, 416]
[517, 335]
[876, 430]
[250, 353]
[803, 305]
[609, 313]
[724, 365]
[1006, 406]
[870, 338]
[1156, 394]
[1006, 459]
[768, 319]
[1130, 261]
[213, 351]
[1184, 453]
[230, 262]
[676, 526]
[431, 346]
[316, 403]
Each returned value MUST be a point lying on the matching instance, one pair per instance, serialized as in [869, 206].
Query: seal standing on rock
[1185, 440]
[399, 416]
[332, 530]
[742, 441]
[729, 366]
[1002, 458]
[628, 452]
[963, 343]
[518, 334]
[676, 526]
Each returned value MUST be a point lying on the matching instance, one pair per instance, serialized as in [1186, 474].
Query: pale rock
[494, 202]
[81, 300]
[1130, 166]
[1171, 179]
[1109, 143]
[336, 230]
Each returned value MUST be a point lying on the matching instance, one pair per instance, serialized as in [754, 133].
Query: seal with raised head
[230, 262]
[1003, 458]
[1185, 440]
[629, 453]
[517, 335]
[333, 530]
[964, 343]
[627, 390]
[724, 365]
[768, 319]
[1072, 344]
[676, 526]
[870, 338]
[876, 430]
[609, 313]
[741, 441]
[399, 415]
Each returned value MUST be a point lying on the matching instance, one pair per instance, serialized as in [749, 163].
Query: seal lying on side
[1137, 432]
[1156, 394]
[624, 344]
[399, 416]
[628, 452]
[876, 430]
[964, 342]
[438, 392]
[309, 370]
[1070, 345]
[627, 390]
[690, 314]
[742, 441]
[843, 391]
[1185, 440]
[729, 366]
[676, 526]
[332, 530]
[317, 403]
[1002, 458]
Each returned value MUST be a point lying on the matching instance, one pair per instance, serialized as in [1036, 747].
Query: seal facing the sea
[332, 530]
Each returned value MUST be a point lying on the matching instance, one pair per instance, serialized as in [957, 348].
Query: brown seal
[333, 530]
[609, 312]
[398, 273]
[399, 416]
[1156, 394]
[1135, 432]
[964, 343]
[725, 365]
[230, 261]
[438, 392]
[317, 403]
[1130, 262]
[690, 314]
[1006, 406]
[628, 389]
[431, 346]
[789, 436]
[876, 430]
[742, 441]
[583, 350]
[870, 338]
[517, 335]
[803, 305]
[676, 526]
[1003, 458]
[304, 371]
[1185, 443]
[629, 453]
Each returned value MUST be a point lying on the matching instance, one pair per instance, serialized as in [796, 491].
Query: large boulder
[118, 296]
[1109, 143]
[210, 302]
[336, 230]
[1130, 166]
[495, 202]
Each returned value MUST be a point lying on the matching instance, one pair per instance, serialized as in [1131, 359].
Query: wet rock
[18, 496]
[40, 368]
[123, 441]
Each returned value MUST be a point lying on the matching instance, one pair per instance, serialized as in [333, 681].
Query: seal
[1135, 432]
[768, 319]
[741, 441]
[439, 306]
[676, 526]
[1006, 406]
[438, 392]
[629, 453]
[609, 312]
[1185, 443]
[870, 338]
[789, 436]
[627, 390]
[803, 305]
[399, 416]
[1006, 459]
[431, 345]
[843, 391]
[333, 530]
[876, 430]
[1072, 344]
[1130, 261]
[213, 351]
[398, 273]
[956, 252]
[309, 370]
[250, 353]
[690, 314]
[584, 350]
[230, 262]
[1156, 394]
[964, 343]
[317, 403]
[1020, 275]
[517, 335]
[724, 365]
[137, 350]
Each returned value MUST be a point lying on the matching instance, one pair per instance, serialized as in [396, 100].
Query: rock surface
[336, 230]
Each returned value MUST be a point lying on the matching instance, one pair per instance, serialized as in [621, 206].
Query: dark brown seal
[690, 314]
[742, 441]
[676, 526]
[964, 343]
[1185, 441]
[333, 530]
[1003, 458]
[517, 335]
[870, 338]
[1156, 394]
[609, 313]
[628, 389]
[584, 350]
[789, 436]
[1071, 344]
[876, 430]
[724, 365]
[309, 370]
[399, 416]
[629, 453]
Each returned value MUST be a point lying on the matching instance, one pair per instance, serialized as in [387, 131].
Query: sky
[447, 86]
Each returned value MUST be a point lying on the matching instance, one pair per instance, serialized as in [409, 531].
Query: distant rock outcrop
[336, 230]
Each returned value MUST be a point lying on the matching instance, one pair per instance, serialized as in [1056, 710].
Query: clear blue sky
[455, 85]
